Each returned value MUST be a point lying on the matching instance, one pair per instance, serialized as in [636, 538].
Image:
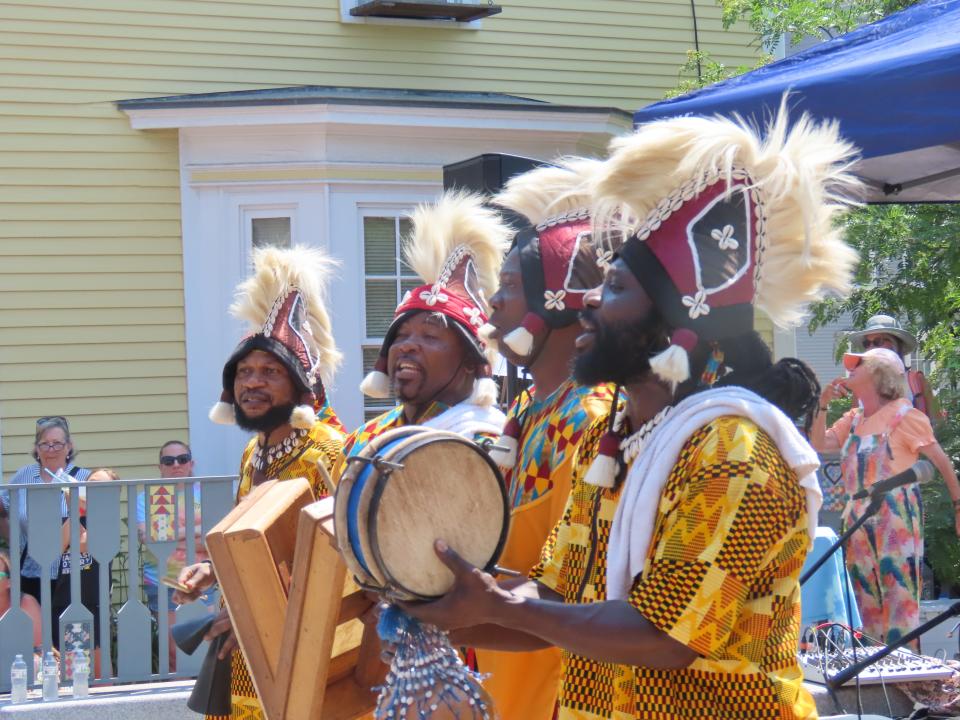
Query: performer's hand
[198, 577]
[220, 626]
[836, 389]
[471, 601]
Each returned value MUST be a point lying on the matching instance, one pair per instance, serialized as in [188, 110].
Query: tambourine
[404, 490]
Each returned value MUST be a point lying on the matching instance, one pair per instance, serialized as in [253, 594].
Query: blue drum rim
[353, 503]
[378, 490]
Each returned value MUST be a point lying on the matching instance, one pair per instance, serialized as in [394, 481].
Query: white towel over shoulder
[636, 513]
[468, 419]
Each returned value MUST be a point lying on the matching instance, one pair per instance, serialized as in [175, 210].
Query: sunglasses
[52, 419]
[51, 445]
[169, 460]
[878, 343]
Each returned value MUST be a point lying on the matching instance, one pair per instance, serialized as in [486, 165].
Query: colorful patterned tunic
[321, 445]
[524, 685]
[721, 577]
[393, 418]
[884, 556]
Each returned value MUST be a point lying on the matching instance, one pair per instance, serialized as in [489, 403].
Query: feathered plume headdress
[456, 247]
[721, 220]
[284, 303]
[559, 261]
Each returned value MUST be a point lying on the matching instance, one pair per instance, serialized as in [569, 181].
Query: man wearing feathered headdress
[671, 582]
[274, 384]
[534, 320]
[432, 358]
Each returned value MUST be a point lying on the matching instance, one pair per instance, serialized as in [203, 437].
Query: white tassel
[602, 472]
[223, 414]
[376, 385]
[485, 392]
[303, 417]
[672, 365]
[504, 453]
[520, 341]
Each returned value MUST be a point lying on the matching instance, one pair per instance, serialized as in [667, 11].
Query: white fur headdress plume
[456, 247]
[551, 190]
[284, 304]
[720, 219]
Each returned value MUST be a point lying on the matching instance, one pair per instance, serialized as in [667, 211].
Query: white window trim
[346, 17]
[397, 212]
[249, 213]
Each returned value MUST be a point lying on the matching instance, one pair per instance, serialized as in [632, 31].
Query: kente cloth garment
[393, 418]
[524, 685]
[885, 555]
[721, 577]
[322, 444]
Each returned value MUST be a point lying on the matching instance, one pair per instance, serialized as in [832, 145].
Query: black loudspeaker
[486, 174]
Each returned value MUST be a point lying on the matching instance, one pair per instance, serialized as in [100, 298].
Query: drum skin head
[448, 489]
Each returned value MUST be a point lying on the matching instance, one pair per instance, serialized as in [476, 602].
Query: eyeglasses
[169, 460]
[51, 445]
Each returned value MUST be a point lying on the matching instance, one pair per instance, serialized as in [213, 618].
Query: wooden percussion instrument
[294, 612]
[408, 488]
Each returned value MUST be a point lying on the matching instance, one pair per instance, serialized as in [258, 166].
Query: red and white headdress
[284, 303]
[456, 247]
[719, 220]
[559, 262]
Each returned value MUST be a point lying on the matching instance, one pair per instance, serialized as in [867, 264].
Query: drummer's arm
[495, 637]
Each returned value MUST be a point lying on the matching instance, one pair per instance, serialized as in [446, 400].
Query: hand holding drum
[408, 488]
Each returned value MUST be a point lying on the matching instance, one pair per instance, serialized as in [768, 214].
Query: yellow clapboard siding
[68, 335]
[96, 405]
[65, 142]
[117, 178]
[71, 189]
[44, 371]
[93, 263]
[58, 299]
[103, 230]
[97, 352]
[115, 317]
[92, 280]
[104, 210]
[63, 389]
[130, 245]
[114, 161]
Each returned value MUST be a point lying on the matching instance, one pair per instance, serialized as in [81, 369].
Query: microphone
[921, 471]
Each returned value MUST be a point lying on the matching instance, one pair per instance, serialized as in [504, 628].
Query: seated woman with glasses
[53, 452]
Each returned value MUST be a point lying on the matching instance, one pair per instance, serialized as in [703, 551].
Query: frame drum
[404, 490]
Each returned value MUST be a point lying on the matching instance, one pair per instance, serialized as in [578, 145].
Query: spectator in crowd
[54, 453]
[884, 331]
[881, 436]
[28, 603]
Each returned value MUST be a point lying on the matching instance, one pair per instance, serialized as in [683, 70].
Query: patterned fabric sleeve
[720, 526]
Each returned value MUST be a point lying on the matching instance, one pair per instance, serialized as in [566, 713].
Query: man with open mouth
[432, 358]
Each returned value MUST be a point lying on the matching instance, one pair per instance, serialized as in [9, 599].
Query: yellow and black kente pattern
[322, 444]
[721, 577]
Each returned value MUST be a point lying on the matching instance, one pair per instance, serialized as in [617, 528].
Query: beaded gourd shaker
[427, 678]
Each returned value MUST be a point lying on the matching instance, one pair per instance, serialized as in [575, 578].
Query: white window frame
[249, 213]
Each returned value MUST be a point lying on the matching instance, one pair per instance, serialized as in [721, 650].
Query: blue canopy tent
[894, 85]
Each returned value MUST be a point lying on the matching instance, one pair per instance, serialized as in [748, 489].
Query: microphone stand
[853, 670]
[875, 502]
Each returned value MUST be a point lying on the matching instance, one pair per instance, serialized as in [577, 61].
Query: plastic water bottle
[51, 678]
[18, 680]
[81, 674]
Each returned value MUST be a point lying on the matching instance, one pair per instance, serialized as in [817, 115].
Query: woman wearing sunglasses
[53, 452]
[881, 436]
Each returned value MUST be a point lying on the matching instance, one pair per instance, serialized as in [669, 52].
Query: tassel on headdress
[504, 453]
[605, 468]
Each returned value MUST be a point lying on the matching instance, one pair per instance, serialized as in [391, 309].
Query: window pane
[270, 231]
[381, 301]
[380, 246]
[370, 355]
